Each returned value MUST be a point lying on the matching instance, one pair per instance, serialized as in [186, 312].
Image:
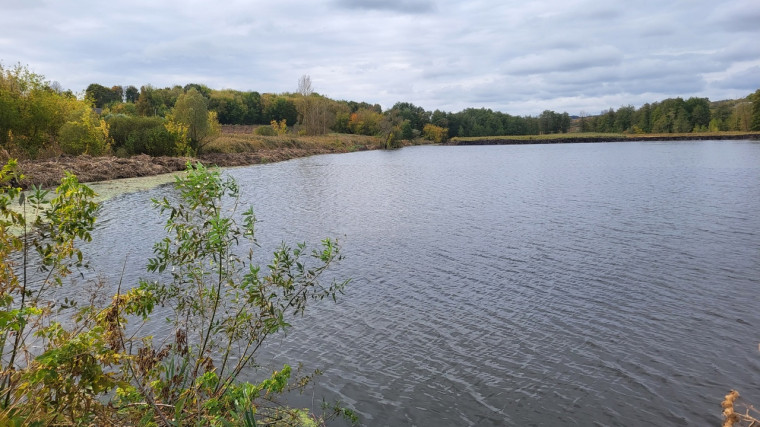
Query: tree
[312, 109]
[84, 133]
[252, 101]
[417, 116]
[304, 85]
[191, 110]
[435, 133]
[229, 105]
[741, 117]
[755, 123]
[31, 112]
[406, 130]
[131, 94]
[31, 384]
[145, 104]
[642, 118]
[315, 114]
[201, 88]
[118, 93]
[365, 122]
[549, 122]
[699, 113]
[277, 107]
[624, 118]
[101, 96]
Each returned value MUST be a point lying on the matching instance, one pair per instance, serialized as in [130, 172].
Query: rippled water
[587, 284]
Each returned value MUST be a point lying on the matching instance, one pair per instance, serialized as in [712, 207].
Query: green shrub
[86, 134]
[221, 308]
[265, 131]
[142, 135]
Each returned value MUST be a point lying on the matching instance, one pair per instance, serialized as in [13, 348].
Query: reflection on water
[537, 285]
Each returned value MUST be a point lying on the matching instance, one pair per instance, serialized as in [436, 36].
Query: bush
[265, 131]
[435, 133]
[221, 308]
[86, 134]
[142, 135]
[156, 141]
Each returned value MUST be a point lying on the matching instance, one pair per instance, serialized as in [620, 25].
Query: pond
[608, 283]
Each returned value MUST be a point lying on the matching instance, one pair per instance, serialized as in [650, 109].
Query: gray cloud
[747, 80]
[739, 16]
[402, 6]
[517, 57]
[564, 60]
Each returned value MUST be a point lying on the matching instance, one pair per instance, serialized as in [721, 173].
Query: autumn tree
[314, 111]
[84, 133]
[741, 117]
[365, 122]
[31, 112]
[435, 133]
[191, 110]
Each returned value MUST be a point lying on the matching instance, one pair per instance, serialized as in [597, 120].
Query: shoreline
[47, 173]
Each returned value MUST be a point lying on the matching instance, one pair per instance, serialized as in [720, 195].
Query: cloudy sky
[519, 57]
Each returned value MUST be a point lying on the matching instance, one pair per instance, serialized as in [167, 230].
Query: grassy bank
[245, 142]
[600, 137]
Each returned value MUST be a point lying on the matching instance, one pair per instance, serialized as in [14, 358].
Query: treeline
[38, 118]
[305, 112]
[310, 113]
[675, 115]
[318, 114]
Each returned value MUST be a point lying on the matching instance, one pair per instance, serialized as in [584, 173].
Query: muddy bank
[48, 172]
[570, 139]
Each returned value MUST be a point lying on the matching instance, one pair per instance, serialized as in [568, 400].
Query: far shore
[567, 138]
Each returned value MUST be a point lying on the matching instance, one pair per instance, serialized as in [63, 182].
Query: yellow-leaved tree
[84, 133]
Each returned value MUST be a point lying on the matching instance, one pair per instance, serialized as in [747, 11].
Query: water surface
[569, 284]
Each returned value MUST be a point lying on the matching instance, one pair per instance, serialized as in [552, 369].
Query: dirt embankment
[48, 172]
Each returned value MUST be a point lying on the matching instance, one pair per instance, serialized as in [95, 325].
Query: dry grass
[544, 137]
[732, 417]
[333, 142]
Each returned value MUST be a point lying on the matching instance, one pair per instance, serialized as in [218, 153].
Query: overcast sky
[519, 57]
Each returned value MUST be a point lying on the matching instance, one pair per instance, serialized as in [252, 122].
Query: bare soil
[48, 172]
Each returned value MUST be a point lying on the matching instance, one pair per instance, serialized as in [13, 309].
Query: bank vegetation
[39, 120]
